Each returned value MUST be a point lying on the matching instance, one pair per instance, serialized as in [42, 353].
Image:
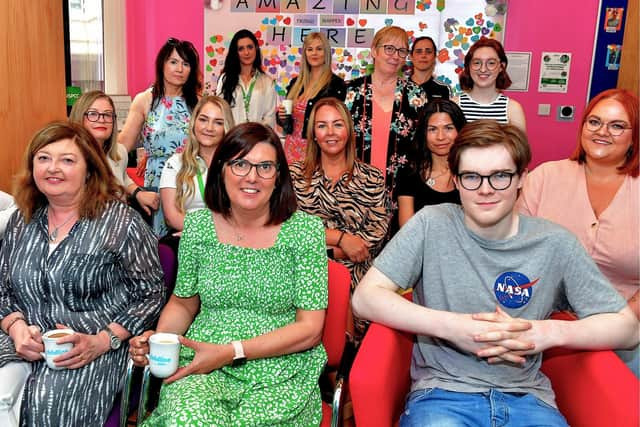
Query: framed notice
[554, 72]
[519, 68]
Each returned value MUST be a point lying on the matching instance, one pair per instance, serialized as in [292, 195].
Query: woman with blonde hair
[184, 175]
[96, 112]
[314, 82]
[347, 194]
[385, 108]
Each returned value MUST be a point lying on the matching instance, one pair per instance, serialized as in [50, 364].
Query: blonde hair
[390, 32]
[78, 111]
[304, 82]
[312, 159]
[185, 187]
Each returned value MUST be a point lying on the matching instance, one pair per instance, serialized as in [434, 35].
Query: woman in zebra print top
[347, 194]
[74, 256]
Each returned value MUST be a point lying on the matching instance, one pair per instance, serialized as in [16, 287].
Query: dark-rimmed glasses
[490, 64]
[390, 49]
[94, 116]
[242, 167]
[498, 180]
[615, 128]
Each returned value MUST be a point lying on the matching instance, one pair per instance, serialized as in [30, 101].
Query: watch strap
[239, 357]
[114, 341]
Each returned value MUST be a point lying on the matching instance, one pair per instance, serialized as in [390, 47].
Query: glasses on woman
[242, 167]
[490, 64]
[498, 180]
[390, 49]
[615, 128]
[94, 116]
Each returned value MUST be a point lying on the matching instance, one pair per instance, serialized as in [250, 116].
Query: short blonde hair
[388, 33]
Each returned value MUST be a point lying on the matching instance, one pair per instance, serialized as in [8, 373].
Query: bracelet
[340, 239]
[19, 316]
[135, 192]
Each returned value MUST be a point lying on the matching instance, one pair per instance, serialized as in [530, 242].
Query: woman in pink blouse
[595, 193]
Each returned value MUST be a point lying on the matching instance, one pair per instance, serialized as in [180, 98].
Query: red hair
[629, 102]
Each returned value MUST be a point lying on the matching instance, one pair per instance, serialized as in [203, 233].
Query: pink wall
[531, 27]
[149, 24]
[553, 27]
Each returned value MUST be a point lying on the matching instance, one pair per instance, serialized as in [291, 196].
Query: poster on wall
[554, 72]
[613, 57]
[280, 27]
[519, 70]
[613, 19]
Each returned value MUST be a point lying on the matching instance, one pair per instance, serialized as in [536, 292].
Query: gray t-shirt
[543, 268]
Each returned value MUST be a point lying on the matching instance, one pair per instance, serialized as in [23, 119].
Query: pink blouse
[557, 191]
[380, 137]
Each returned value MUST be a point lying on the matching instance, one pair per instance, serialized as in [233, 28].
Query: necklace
[431, 180]
[54, 234]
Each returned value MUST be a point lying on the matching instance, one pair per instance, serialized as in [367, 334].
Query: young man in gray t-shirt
[512, 271]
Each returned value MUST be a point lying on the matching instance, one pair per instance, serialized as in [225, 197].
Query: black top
[337, 88]
[436, 89]
[411, 184]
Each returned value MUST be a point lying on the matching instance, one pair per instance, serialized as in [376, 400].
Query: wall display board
[280, 26]
[608, 45]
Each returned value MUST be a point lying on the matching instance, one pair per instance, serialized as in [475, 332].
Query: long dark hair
[231, 68]
[193, 85]
[238, 142]
[437, 105]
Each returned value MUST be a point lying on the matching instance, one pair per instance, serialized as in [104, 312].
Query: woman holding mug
[315, 81]
[74, 257]
[250, 297]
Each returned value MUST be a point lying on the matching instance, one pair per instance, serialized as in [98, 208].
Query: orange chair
[593, 388]
[333, 340]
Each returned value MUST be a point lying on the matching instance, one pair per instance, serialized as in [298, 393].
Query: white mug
[288, 106]
[164, 350]
[52, 349]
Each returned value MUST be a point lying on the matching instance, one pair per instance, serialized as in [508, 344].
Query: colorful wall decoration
[280, 26]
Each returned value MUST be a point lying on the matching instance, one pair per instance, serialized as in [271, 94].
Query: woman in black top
[431, 182]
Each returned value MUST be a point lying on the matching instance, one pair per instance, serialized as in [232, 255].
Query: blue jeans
[435, 407]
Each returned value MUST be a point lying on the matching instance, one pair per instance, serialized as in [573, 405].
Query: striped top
[473, 110]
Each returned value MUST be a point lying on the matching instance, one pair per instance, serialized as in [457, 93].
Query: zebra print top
[106, 270]
[358, 206]
[496, 110]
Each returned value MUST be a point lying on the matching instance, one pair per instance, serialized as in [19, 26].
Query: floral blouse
[408, 103]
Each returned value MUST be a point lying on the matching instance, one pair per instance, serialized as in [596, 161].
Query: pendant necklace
[431, 180]
[54, 234]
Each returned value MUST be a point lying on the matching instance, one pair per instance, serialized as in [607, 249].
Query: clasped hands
[497, 337]
[208, 357]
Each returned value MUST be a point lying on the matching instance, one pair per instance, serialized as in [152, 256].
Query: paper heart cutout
[387, 22]
[490, 24]
[497, 28]
[465, 46]
[350, 21]
[476, 30]
[287, 20]
[209, 69]
[265, 21]
[279, 18]
[210, 51]
[348, 68]
[362, 22]
[297, 63]
[485, 31]
[273, 21]
[443, 55]
[213, 39]
[478, 16]
[480, 21]
[410, 33]
[220, 50]
[475, 38]
[422, 25]
[468, 32]
[258, 34]
[469, 22]
[272, 70]
[213, 62]
[291, 58]
[450, 36]
[340, 66]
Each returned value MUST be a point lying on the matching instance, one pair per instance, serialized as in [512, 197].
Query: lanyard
[200, 184]
[246, 96]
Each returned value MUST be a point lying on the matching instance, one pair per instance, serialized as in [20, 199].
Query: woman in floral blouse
[385, 107]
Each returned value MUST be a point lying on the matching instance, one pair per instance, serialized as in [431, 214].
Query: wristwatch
[114, 341]
[135, 192]
[239, 358]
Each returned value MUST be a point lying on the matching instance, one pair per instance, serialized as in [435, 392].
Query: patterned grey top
[106, 270]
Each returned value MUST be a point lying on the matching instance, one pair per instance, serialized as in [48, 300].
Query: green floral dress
[244, 293]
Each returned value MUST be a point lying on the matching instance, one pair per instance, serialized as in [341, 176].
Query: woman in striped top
[76, 257]
[483, 79]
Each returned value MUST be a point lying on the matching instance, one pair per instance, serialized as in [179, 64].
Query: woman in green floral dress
[252, 282]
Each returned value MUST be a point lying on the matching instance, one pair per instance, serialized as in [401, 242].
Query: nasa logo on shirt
[513, 289]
